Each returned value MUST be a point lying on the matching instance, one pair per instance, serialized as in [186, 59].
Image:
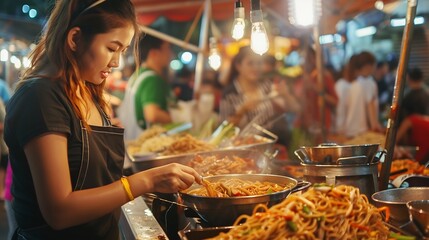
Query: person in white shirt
[362, 99]
[342, 89]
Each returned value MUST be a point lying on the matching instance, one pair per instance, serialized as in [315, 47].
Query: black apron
[102, 161]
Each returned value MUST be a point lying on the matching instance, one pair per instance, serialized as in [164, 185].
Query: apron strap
[104, 116]
[84, 161]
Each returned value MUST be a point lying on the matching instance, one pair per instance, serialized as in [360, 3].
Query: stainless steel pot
[397, 198]
[419, 214]
[362, 176]
[260, 159]
[224, 211]
[336, 154]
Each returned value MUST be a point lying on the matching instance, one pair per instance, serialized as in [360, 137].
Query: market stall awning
[186, 10]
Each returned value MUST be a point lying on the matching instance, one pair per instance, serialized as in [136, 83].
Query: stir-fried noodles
[323, 212]
[234, 187]
[187, 144]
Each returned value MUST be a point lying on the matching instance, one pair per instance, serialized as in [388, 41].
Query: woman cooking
[66, 156]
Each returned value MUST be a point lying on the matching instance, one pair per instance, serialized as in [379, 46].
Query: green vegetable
[398, 236]
[321, 185]
[224, 130]
[292, 226]
[207, 128]
[306, 210]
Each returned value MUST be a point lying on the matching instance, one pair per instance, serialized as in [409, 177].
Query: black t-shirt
[40, 106]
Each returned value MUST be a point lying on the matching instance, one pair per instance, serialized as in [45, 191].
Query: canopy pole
[194, 23]
[171, 39]
[398, 94]
[204, 34]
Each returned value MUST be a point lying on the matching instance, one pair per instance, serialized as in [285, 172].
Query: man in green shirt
[152, 93]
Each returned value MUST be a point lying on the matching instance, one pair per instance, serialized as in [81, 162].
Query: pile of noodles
[323, 212]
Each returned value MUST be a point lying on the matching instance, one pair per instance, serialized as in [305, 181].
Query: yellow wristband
[126, 185]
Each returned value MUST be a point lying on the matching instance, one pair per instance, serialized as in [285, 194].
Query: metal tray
[260, 159]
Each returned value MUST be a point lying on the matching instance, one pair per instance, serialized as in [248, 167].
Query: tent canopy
[178, 10]
[186, 10]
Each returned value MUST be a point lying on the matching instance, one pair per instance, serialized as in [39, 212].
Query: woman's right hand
[170, 178]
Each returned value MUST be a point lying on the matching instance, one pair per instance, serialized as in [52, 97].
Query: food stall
[187, 216]
[347, 197]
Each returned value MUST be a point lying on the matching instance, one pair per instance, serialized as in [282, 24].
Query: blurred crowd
[302, 110]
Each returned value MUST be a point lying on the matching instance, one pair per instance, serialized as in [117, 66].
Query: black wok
[224, 211]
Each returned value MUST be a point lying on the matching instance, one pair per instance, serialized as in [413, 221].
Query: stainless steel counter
[138, 222]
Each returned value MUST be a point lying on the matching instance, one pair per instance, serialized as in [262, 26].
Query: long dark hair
[52, 49]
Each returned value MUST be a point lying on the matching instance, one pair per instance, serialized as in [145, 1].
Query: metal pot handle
[302, 155]
[379, 156]
[301, 185]
[352, 160]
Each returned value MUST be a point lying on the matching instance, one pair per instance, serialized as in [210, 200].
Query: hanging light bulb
[379, 5]
[258, 38]
[239, 24]
[307, 18]
[214, 58]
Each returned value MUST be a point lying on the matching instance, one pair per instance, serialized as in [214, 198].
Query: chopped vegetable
[386, 212]
[322, 185]
[224, 130]
[306, 210]
[292, 226]
[360, 227]
[398, 236]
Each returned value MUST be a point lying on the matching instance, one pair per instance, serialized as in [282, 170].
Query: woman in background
[66, 156]
[311, 94]
[249, 98]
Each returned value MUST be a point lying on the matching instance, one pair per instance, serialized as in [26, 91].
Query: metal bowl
[224, 211]
[334, 154]
[260, 160]
[397, 198]
[419, 214]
